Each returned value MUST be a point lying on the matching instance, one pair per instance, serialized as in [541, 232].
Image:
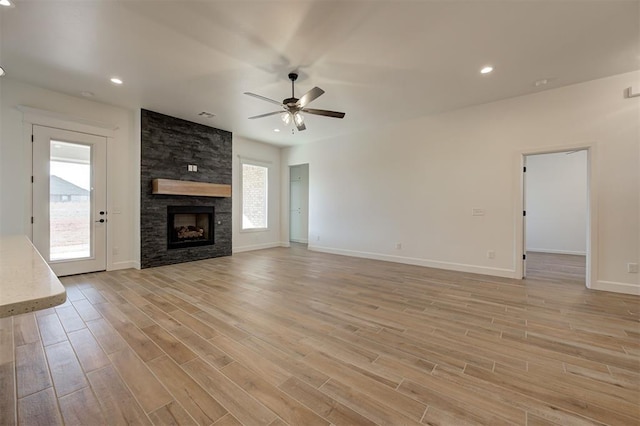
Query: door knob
[102, 213]
[101, 221]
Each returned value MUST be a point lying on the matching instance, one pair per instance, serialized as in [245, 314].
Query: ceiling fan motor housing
[290, 102]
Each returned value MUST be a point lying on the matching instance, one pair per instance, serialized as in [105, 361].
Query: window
[254, 196]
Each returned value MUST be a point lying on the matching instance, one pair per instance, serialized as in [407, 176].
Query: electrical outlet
[477, 212]
[491, 254]
[632, 268]
[115, 251]
[318, 238]
[398, 246]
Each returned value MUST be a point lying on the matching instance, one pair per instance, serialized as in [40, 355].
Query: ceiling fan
[294, 107]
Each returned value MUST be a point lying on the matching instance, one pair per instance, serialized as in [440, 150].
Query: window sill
[254, 230]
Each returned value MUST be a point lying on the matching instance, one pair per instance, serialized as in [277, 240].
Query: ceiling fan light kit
[294, 107]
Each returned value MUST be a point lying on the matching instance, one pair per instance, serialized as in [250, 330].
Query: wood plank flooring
[560, 268]
[288, 336]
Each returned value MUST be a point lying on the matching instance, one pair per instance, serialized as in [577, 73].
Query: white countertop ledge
[26, 282]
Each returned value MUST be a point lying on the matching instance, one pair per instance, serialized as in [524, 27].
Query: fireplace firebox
[189, 226]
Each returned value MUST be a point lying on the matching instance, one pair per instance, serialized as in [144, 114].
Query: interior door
[295, 206]
[524, 217]
[299, 204]
[70, 199]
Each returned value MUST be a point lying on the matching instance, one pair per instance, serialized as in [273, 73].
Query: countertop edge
[27, 282]
[33, 305]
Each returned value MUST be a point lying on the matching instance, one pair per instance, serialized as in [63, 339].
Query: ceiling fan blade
[266, 115]
[312, 94]
[324, 112]
[263, 98]
[301, 127]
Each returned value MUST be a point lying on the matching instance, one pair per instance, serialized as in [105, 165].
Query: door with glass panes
[69, 199]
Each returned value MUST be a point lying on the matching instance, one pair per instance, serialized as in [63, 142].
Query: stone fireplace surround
[168, 146]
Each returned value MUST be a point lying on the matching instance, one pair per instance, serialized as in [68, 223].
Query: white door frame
[592, 216]
[41, 117]
[97, 259]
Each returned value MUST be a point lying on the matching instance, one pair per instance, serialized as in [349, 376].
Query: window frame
[256, 163]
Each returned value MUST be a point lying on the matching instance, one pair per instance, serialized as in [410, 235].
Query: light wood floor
[287, 336]
[559, 268]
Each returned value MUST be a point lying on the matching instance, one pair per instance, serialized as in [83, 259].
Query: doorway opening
[556, 216]
[299, 203]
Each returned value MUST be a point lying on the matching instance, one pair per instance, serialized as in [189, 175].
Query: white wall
[556, 202]
[15, 165]
[416, 182]
[1, 162]
[264, 153]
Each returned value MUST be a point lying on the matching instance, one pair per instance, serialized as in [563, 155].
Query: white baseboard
[616, 287]
[259, 247]
[552, 251]
[285, 244]
[450, 266]
[127, 264]
[300, 241]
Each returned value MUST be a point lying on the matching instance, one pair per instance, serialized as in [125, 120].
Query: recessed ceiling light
[5, 3]
[1, 71]
[276, 130]
[206, 114]
[541, 82]
[116, 80]
[87, 94]
[486, 70]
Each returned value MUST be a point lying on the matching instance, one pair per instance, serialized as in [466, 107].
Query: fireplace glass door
[189, 226]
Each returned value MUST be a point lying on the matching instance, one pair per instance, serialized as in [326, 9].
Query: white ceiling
[378, 61]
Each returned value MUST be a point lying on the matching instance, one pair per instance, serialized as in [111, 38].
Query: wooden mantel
[186, 187]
